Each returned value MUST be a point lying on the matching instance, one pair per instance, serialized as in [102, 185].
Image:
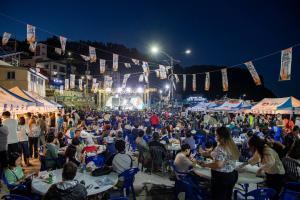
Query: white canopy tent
[285, 105]
[12, 102]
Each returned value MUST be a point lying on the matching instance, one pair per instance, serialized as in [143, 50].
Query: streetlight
[167, 86]
[160, 91]
[188, 51]
[155, 49]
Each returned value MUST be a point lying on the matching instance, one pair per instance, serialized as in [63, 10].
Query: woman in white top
[223, 173]
[34, 135]
[22, 132]
[270, 163]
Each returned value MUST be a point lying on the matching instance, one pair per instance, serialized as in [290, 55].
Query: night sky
[218, 32]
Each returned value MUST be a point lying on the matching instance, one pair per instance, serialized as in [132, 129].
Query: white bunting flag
[5, 38]
[96, 87]
[66, 84]
[184, 82]
[80, 84]
[57, 51]
[30, 33]
[61, 89]
[127, 65]
[108, 81]
[224, 80]
[145, 67]
[157, 73]
[72, 81]
[146, 78]
[32, 47]
[135, 61]
[141, 78]
[176, 78]
[126, 77]
[194, 83]
[115, 62]
[253, 72]
[162, 72]
[93, 56]
[94, 83]
[85, 58]
[102, 66]
[207, 81]
[63, 42]
[286, 63]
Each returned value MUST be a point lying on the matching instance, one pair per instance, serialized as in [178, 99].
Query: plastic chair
[128, 176]
[15, 197]
[157, 156]
[291, 191]
[111, 148]
[12, 186]
[291, 167]
[258, 194]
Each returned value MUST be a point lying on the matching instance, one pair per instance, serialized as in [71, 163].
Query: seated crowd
[69, 141]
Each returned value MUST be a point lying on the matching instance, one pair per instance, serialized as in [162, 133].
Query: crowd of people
[266, 139]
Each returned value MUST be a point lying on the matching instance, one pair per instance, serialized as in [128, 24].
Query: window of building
[11, 75]
[54, 67]
[47, 66]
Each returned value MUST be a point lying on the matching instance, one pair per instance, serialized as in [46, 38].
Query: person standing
[23, 131]
[223, 173]
[34, 135]
[270, 163]
[43, 126]
[12, 139]
[3, 145]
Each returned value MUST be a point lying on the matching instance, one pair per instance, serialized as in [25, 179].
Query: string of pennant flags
[161, 72]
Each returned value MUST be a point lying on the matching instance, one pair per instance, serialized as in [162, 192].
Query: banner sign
[115, 62]
[207, 81]
[286, 62]
[253, 72]
[5, 38]
[30, 34]
[224, 80]
[102, 66]
[93, 56]
[63, 42]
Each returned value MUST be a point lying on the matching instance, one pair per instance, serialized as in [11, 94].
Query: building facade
[25, 78]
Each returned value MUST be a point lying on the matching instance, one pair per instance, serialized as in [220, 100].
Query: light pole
[155, 50]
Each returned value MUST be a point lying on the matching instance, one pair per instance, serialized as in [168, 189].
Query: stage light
[119, 90]
[108, 90]
[140, 90]
[128, 90]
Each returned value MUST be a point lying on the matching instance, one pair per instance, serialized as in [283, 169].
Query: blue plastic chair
[111, 148]
[12, 186]
[258, 194]
[291, 191]
[15, 197]
[128, 176]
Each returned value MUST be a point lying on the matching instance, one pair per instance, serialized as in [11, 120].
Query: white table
[246, 176]
[173, 147]
[40, 186]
